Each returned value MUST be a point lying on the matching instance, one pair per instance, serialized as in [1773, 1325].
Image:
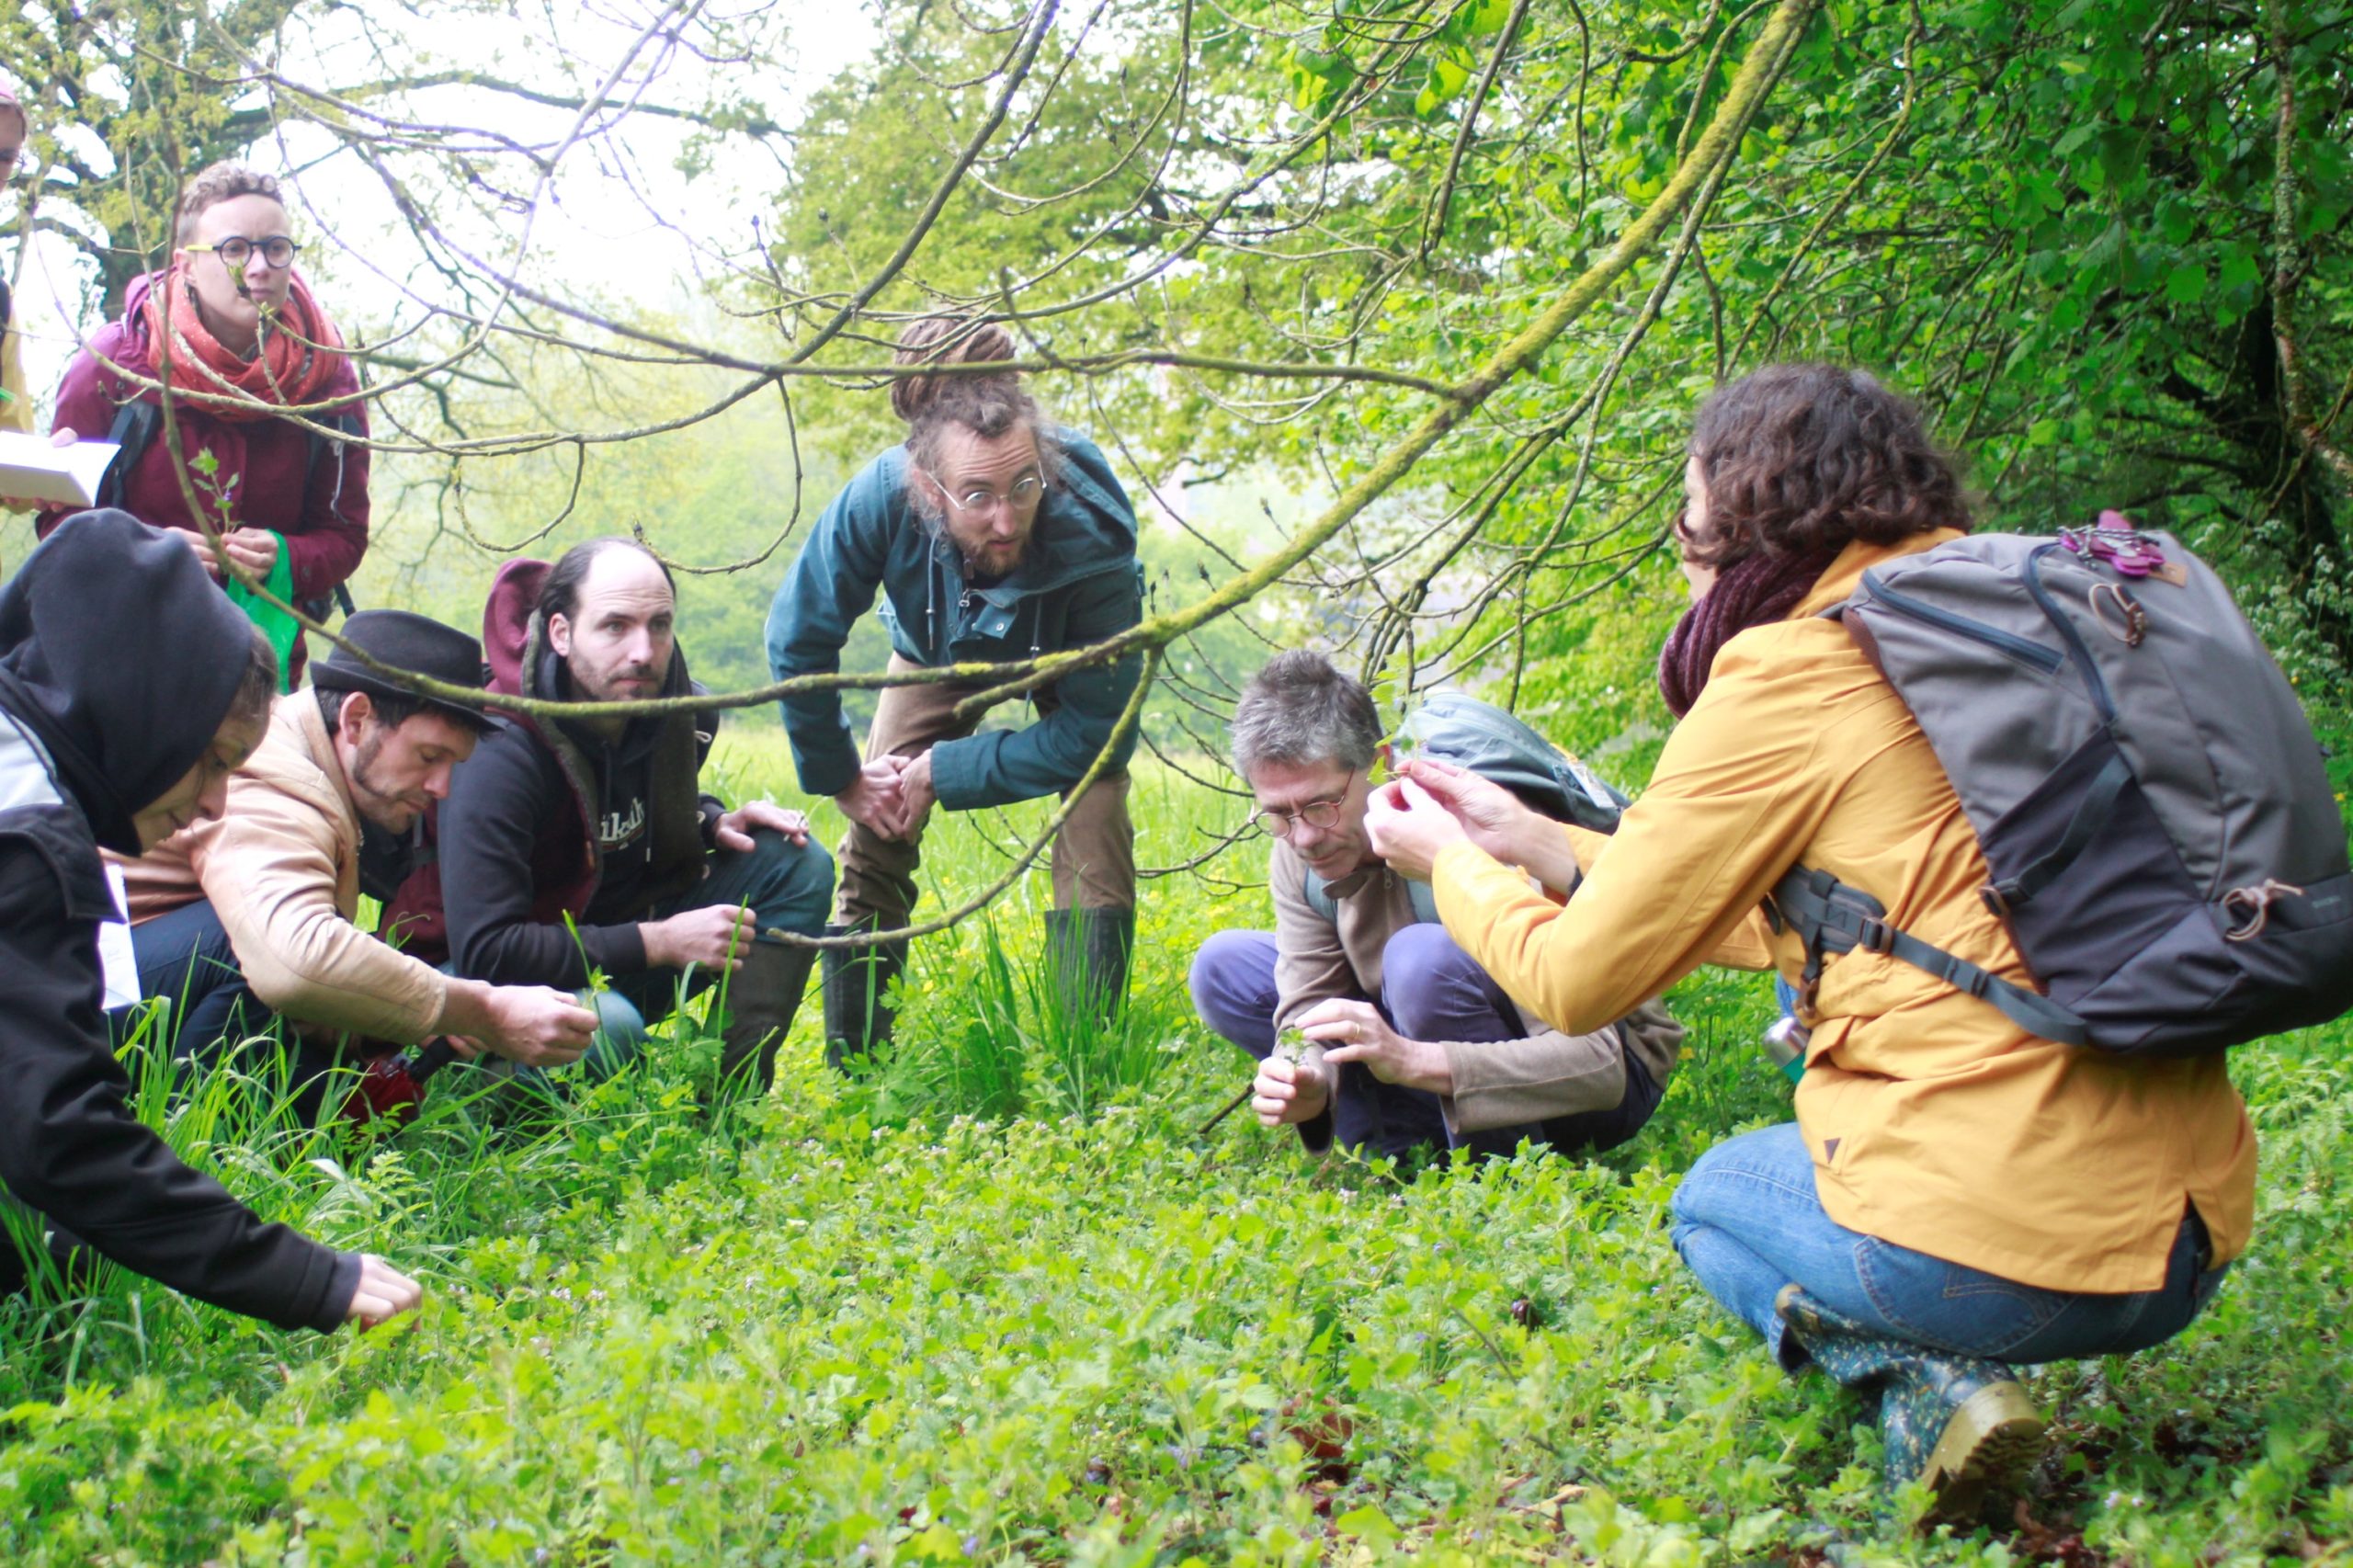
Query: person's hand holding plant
[1498, 822]
[1355, 1031]
[1409, 829]
[1293, 1085]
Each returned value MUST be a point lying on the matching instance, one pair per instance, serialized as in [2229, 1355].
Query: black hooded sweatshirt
[119, 659]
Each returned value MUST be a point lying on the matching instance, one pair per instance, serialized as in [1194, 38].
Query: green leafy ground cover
[853, 1325]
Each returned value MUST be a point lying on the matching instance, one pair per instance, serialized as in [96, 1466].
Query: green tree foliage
[2105, 245]
[123, 100]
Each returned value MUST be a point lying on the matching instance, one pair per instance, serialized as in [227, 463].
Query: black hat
[404, 642]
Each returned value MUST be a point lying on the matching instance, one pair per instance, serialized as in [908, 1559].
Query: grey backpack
[1481, 738]
[2164, 843]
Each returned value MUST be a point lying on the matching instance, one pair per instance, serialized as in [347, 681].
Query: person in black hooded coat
[105, 744]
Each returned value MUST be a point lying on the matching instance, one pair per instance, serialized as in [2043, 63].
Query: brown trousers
[1094, 855]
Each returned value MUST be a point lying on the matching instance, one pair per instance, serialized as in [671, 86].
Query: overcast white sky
[594, 236]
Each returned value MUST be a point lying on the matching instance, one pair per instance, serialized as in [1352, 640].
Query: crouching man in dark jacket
[578, 843]
[101, 746]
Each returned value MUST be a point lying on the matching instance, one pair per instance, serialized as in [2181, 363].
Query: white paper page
[116, 963]
[31, 468]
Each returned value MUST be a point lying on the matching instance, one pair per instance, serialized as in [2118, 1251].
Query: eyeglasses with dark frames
[236, 250]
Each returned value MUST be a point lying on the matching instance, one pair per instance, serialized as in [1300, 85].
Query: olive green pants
[1094, 854]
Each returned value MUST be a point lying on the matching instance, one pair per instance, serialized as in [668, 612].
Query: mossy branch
[1716, 146]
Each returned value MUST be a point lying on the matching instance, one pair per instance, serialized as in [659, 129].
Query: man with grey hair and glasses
[1417, 1045]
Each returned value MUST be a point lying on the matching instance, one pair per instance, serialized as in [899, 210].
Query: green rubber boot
[763, 995]
[1962, 1426]
[1087, 952]
[856, 987]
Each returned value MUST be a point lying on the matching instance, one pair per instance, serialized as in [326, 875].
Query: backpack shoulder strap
[1831, 916]
[346, 426]
[1424, 899]
[133, 430]
[1318, 895]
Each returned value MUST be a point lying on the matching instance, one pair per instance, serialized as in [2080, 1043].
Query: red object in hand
[392, 1088]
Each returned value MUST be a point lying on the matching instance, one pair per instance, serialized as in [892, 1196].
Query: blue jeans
[790, 888]
[184, 957]
[1748, 1221]
[1431, 989]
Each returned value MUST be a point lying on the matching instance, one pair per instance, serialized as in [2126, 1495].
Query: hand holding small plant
[1498, 821]
[715, 937]
[1408, 829]
[256, 550]
[1292, 1086]
[1355, 1031]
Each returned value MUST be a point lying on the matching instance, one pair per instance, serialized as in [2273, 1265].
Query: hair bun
[945, 340]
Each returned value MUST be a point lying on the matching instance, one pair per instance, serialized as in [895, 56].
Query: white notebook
[33, 470]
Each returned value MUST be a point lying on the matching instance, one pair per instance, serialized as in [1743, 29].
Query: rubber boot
[1086, 960]
[762, 997]
[1961, 1425]
[856, 986]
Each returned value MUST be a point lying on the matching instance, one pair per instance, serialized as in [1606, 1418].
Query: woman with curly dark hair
[1957, 1196]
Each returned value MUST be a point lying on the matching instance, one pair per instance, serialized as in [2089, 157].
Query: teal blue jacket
[1077, 584]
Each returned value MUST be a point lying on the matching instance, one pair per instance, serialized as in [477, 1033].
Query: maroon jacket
[317, 501]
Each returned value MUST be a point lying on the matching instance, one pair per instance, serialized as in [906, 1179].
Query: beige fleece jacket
[281, 869]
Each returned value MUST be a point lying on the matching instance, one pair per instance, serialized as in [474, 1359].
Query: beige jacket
[281, 869]
[1497, 1083]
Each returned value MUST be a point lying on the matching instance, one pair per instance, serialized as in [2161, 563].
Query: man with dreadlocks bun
[232, 329]
[995, 536]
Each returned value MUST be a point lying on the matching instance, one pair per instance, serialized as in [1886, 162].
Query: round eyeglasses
[978, 502]
[1275, 821]
[236, 250]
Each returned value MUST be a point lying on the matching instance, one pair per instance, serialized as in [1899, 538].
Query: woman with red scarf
[1956, 1196]
[232, 328]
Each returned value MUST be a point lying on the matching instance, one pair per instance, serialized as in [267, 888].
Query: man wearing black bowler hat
[251, 914]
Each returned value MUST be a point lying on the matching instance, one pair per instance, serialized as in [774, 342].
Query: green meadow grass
[999, 1301]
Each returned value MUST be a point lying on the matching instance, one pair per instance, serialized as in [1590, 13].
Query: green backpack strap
[1424, 899]
[1318, 894]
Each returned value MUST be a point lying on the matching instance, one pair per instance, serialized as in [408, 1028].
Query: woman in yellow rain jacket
[1956, 1196]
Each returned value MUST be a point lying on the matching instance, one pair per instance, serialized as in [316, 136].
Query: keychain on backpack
[2125, 548]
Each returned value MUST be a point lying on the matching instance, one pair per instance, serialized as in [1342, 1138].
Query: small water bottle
[1785, 1043]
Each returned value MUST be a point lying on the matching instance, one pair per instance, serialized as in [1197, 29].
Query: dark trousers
[185, 958]
[788, 886]
[1431, 990]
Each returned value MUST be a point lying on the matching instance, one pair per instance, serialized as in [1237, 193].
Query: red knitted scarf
[1750, 592]
[298, 360]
